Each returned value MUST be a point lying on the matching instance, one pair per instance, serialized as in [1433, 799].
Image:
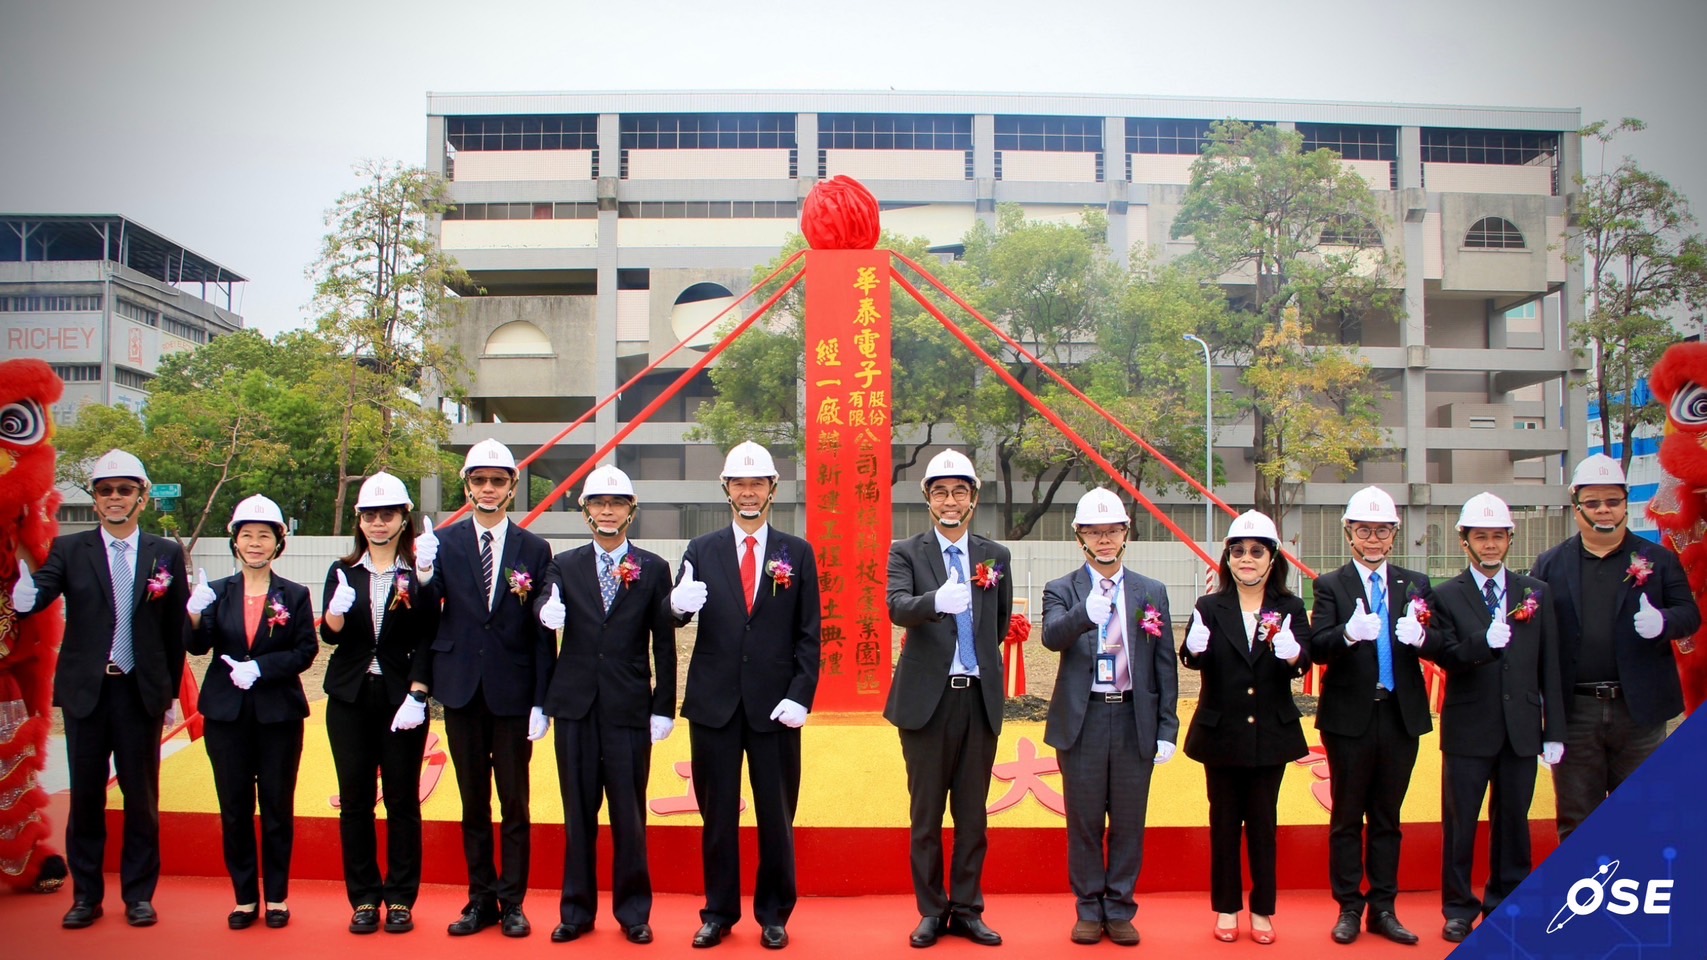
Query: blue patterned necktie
[123, 581]
[1383, 643]
[607, 579]
[1491, 597]
[962, 620]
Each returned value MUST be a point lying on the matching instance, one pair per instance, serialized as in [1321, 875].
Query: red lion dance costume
[1679, 508]
[29, 649]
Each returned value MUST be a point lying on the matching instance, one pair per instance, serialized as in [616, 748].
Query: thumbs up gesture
[202, 596]
[1285, 643]
[955, 597]
[24, 591]
[1098, 607]
[688, 596]
[1650, 623]
[551, 612]
[1363, 625]
[244, 673]
[426, 550]
[1196, 635]
[343, 597]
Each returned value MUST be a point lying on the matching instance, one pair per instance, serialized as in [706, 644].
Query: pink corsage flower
[158, 583]
[401, 596]
[628, 571]
[781, 572]
[280, 613]
[1640, 569]
[987, 574]
[1526, 609]
[1268, 625]
[521, 582]
[1152, 622]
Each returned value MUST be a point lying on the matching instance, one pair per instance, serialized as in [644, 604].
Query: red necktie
[749, 572]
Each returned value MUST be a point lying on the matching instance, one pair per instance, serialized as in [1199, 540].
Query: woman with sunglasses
[1246, 728]
[378, 730]
[260, 627]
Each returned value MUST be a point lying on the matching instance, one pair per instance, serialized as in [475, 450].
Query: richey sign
[66, 337]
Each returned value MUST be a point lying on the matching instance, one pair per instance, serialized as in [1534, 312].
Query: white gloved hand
[538, 723]
[551, 612]
[1363, 625]
[789, 714]
[1409, 630]
[1098, 607]
[1650, 623]
[955, 597]
[688, 597]
[1196, 635]
[410, 715]
[202, 596]
[1164, 751]
[1552, 752]
[343, 597]
[24, 591]
[1284, 642]
[661, 727]
[244, 673]
[1499, 634]
[426, 549]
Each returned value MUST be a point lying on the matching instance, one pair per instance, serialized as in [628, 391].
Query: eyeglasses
[380, 515]
[1093, 533]
[1611, 503]
[1239, 551]
[117, 490]
[1372, 533]
[943, 494]
[483, 480]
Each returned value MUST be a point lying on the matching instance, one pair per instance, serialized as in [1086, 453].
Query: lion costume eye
[1689, 405]
[22, 423]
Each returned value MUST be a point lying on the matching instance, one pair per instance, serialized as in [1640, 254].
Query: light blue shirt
[955, 667]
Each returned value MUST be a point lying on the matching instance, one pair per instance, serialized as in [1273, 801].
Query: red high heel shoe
[1226, 934]
[1262, 936]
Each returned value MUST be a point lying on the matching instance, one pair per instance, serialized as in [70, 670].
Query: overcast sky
[232, 131]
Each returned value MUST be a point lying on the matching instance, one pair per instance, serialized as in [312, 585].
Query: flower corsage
[279, 614]
[1268, 624]
[521, 582]
[400, 595]
[1420, 608]
[1526, 608]
[780, 571]
[1152, 622]
[987, 574]
[628, 571]
[158, 583]
[1640, 569]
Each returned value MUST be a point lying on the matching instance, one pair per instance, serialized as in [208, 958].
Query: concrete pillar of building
[1114, 178]
[605, 263]
[437, 146]
[984, 167]
[806, 150]
[1572, 305]
[1413, 331]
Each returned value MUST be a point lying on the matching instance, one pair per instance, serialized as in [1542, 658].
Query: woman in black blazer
[375, 622]
[261, 628]
[1246, 727]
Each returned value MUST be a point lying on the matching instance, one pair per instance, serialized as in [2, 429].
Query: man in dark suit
[750, 685]
[1372, 711]
[1621, 601]
[119, 669]
[953, 593]
[1500, 647]
[489, 665]
[1112, 716]
[611, 600]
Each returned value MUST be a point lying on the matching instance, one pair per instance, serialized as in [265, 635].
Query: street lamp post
[1208, 437]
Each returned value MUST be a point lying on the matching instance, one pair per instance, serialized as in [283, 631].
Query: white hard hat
[488, 453]
[1252, 525]
[115, 465]
[1598, 469]
[748, 459]
[1100, 505]
[383, 490]
[1485, 510]
[256, 509]
[1371, 505]
[949, 463]
[606, 481]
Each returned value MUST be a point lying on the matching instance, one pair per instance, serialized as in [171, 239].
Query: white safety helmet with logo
[383, 490]
[1371, 505]
[748, 459]
[950, 463]
[1252, 525]
[1099, 507]
[118, 465]
[608, 481]
[1598, 469]
[488, 453]
[1485, 510]
[257, 509]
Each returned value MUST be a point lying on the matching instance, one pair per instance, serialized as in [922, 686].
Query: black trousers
[1463, 781]
[120, 729]
[1105, 782]
[1603, 746]
[489, 750]
[773, 771]
[255, 761]
[1368, 776]
[948, 768]
[599, 761]
[1243, 800]
[366, 753]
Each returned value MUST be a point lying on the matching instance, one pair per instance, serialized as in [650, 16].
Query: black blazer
[282, 652]
[403, 632]
[1348, 685]
[921, 672]
[1646, 668]
[756, 660]
[76, 569]
[501, 652]
[1496, 696]
[1155, 676]
[602, 660]
[1246, 716]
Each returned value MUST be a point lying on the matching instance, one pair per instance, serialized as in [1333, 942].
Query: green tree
[1643, 264]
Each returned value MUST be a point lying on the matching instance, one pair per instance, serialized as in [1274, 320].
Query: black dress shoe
[975, 930]
[398, 919]
[1346, 927]
[565, 932]
[1387, 924]
[278, 918]
[639, 933]
[81, 914]
[514, 923]
[474, 919]
[773, 937]
[241, 919]
[927, 932]
[365, 919]
[140, 914]
[710, 935]
[1455, 930]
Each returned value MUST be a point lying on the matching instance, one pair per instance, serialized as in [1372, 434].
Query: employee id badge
[1105, 668]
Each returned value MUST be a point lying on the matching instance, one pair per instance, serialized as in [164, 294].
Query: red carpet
[193, 913]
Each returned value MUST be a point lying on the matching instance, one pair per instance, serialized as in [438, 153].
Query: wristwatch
[419, 695]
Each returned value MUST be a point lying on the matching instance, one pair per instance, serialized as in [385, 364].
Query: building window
[523, 211]
[707, 210]
[1050, 134]
[1508, 147]
[76, 513]
[132, 378]
[871, 131]
[137, 312]
[78, 372]
[707, 131]
[41, 304]
[1350, 231]
[522, 133]
[1179, 137]
[188, 331]
[1494, 233]
[1353, 142]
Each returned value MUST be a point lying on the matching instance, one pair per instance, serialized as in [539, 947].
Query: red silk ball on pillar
[840, 214]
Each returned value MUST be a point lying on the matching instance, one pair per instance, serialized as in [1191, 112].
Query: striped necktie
[123, 654]
[486, 565]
